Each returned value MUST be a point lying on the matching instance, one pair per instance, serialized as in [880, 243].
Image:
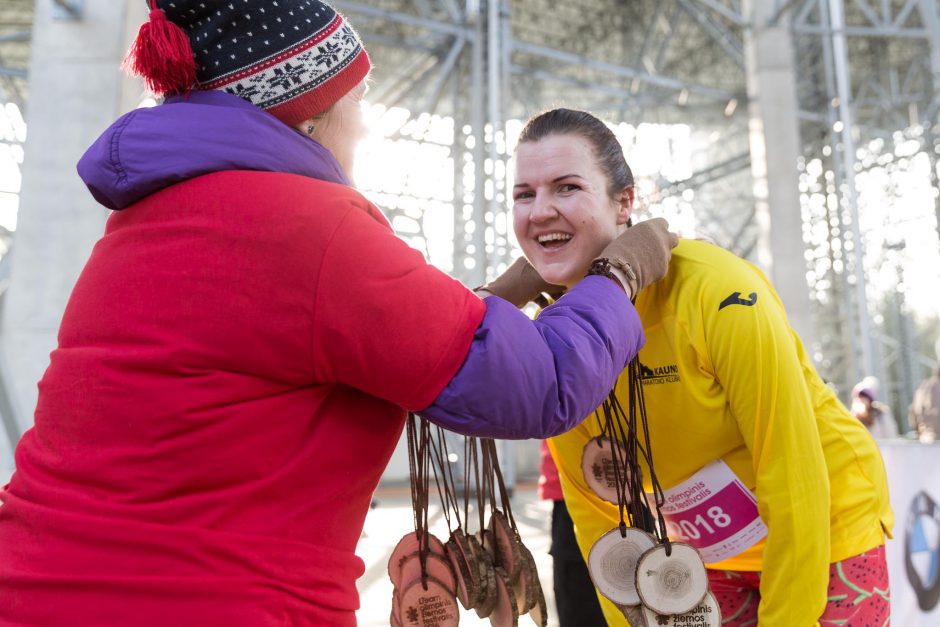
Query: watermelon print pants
[857, 596]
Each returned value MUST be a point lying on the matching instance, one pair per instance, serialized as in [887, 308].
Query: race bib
[714, 512]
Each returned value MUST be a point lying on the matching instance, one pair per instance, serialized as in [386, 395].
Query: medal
[597, 466]
[647, 576]
[423, 580]
[671, 579]
[490, 571]
[428, 603]
[612, 563]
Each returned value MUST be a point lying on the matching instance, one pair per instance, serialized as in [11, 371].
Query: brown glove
[520, 284]
[642, 253]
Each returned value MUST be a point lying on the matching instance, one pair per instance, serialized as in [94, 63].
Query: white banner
[914, 553]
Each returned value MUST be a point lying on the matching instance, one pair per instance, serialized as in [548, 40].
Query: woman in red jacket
[237, 356]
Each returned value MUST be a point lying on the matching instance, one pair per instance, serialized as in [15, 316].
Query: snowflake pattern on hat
[297, 73]
[294, 58]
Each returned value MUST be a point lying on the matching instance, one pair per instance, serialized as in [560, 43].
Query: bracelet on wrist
[601, 267]
[624, 266]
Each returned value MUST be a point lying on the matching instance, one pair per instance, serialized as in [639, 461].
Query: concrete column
[775, 148]
[76, 88]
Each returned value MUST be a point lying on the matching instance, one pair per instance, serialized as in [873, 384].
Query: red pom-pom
[162, 56]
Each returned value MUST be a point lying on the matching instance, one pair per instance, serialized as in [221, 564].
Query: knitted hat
[292, 58]
[867, 387]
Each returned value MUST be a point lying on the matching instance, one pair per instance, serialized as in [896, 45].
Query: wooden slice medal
[530, 574]
[612, 563]
[673, 584]
[519, 588]
[437, 566]
[395, 618]
[505, 613]
[476, 582]
[487, 595]
[483, 548]
[521, 585]
[706, 614]
[597, 465]
[406, 546]
[539, 612]
[431, 607]
[505, 544]
[461, 573]
[488, 541]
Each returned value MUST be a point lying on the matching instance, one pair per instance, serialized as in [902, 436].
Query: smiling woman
[562, 207]
[571, 179]
[760, 419]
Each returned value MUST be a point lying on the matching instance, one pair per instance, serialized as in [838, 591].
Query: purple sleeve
[524, 379]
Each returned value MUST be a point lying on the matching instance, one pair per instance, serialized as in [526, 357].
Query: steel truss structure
[16, 18]
[868, 75]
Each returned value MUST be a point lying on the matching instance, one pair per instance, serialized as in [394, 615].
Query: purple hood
[149, 149]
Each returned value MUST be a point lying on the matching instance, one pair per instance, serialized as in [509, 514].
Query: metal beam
[370, 37]
[931, 18]
[14, 72]
[477, 99]
[863, 31]
[424, 7]
[403, 18]
[781, 11]
[21, 36]
[495, 114]
[721, 35]
[619, 70]
[593, 87]
[666, 42]
[648, 35]
[452, 10]
[710, 174]
[68, 9]
[905, 12]
[801, 15]
[742, 229]
[869, 12]
[419, 65]
[724, 11]
[846, 115]
[447, 67]
[408, 88]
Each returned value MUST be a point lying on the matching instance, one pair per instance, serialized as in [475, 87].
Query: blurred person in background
[575, 599]
[924, 413]
[875, 415]
[237, 357]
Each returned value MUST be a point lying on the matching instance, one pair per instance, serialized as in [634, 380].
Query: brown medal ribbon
[490, 571]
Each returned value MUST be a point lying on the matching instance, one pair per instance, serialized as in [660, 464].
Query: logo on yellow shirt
[735, 299]
[658, 375]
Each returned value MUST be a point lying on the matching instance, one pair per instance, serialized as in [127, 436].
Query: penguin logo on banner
[922, 550]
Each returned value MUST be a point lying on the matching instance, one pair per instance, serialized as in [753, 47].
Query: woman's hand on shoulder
[642, 253]
[520, 284]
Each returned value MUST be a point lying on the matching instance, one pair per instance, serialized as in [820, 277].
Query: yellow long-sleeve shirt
[727, 378]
